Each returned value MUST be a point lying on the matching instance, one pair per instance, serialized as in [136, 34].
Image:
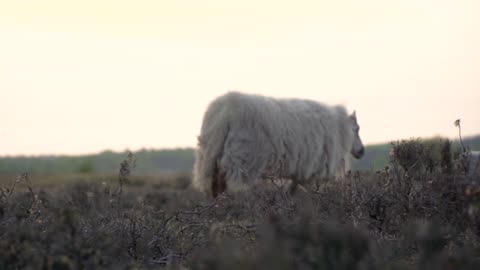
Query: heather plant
[410, 155]
[387, 219]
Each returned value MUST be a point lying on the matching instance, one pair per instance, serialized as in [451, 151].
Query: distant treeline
[149, 162]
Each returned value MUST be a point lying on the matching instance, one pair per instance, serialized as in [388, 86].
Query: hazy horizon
[84, 77]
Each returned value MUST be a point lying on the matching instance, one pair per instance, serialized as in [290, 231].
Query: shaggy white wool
[252, 137]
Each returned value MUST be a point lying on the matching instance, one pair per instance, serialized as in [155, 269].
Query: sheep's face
[357, 146]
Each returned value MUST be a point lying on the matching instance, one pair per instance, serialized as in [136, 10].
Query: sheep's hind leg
[293, 187]
[219, 183]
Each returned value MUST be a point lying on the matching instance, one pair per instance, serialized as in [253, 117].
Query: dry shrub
[360, 222]
[417, 156]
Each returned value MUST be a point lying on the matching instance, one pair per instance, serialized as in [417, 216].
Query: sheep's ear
[354, 115]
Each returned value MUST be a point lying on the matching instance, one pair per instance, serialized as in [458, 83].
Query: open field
[389, 219]
[212, 135]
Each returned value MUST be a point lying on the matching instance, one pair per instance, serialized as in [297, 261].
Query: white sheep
[245, 138]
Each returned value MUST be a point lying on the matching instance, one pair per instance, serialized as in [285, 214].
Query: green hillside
[147, 162]
[151, 162]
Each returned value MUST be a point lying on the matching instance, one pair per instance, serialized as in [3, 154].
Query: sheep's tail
[209, 151]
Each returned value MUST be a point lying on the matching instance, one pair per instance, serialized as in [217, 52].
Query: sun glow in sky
[85, 76]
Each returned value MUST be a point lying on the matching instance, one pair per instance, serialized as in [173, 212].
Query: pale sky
[85, 76]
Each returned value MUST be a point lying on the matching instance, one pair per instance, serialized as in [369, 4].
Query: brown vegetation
[403, 217]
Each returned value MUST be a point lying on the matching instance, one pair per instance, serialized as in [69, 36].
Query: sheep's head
[357, 146]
